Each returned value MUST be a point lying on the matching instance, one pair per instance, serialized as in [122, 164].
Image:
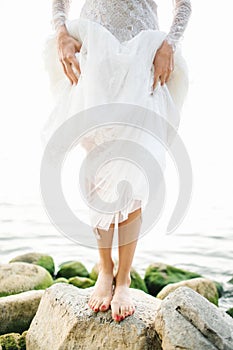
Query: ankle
[123, 279]
[106, 267]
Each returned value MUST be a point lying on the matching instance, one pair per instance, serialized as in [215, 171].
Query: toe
[98, 305]
[95, 306]
[123, 312]
[91, 302]
[131, 310]
[127, 311]
[105, 305]
[115, 311]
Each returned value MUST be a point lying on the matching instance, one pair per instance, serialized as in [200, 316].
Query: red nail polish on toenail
[104, 307]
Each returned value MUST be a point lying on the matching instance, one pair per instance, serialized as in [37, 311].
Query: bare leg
[103, 290]
[122, 304]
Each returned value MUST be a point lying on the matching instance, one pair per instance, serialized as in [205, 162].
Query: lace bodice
[123, 18]
[126, 18]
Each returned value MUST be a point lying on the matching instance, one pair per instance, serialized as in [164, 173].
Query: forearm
[60, 9]
[182, 12]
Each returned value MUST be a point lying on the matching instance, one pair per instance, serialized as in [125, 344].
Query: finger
[169, 73]
[173, 65]
[78, 45]
[167, 77]
[75, 62]
[69, 61]
[156, 79]
[171, 69]
[65, 71]
[163, 78]
[70, 73]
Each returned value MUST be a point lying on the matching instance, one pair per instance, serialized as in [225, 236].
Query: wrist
[62, 31]
[170, 44]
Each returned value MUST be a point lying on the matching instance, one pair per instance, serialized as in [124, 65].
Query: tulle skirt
[116, 80]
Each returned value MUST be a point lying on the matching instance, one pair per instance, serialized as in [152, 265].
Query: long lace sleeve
[60, 9]
[182, 12]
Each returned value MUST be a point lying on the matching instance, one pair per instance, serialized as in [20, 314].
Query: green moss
[19, 325]
[45, 283]
[214, 300]
[94, 272]
[22, 341]
[5, 294]
[136, 281]
[47, 262]
[230, 312]
[159, 275]
[219, 288]
[61, 280]
[13, 341]
[72, 269]
[10, 341]
[81, 282]
[40, 259]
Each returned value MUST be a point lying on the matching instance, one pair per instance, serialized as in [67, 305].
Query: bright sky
[206, 125]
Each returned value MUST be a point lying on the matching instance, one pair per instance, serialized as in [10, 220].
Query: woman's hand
[67, 47]
[163, 64]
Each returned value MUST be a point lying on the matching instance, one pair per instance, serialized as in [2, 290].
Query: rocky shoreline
[44, 309]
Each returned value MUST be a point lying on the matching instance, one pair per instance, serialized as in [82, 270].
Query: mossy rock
[17, 311]
[20, 277]
[72, 269]
[204, 286]
[22, 341]
[13, 341]
[158, 275]
[136, 281]
[43, 260]
[230, 312]
[61, 280]
[81, 282]
[219, 288]
[231, 281]
[94, 272]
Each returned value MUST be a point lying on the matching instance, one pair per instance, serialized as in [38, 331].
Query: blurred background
[203, 242]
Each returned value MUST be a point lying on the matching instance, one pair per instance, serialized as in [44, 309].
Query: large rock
[40, 259]
[64, 310]
[158, 275]
[17, 311]
[21, 277]
[72, 269]
[203, 286]
[13, 341]
[186, 320]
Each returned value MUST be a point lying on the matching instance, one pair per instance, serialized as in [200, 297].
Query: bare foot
[103, 292]
[122, 304]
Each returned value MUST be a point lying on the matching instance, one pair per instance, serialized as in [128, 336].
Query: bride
[127, 59]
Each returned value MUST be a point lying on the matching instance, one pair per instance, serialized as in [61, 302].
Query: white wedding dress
[119, 41]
